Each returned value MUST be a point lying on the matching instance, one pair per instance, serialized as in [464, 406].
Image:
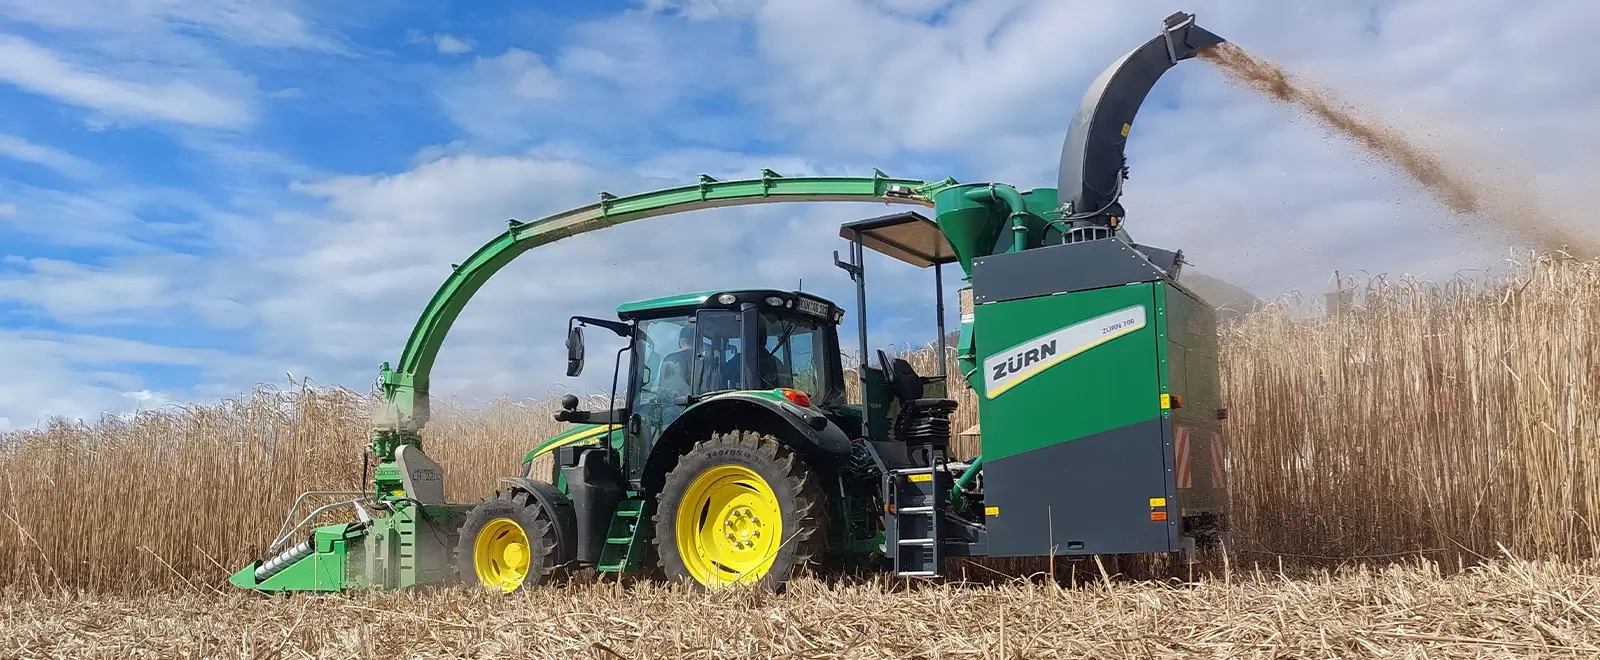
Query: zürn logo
[1019, 361]
[1005, 369]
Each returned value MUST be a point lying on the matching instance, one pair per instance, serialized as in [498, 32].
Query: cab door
[658, 379]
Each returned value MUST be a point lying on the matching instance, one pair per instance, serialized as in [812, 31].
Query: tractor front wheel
[739, 508]
[507, 543]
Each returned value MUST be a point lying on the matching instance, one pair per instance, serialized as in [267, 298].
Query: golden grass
[1442, 419]
[1436, 419]
[1511, 609]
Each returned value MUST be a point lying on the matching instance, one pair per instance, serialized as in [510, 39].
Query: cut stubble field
[1390, 461]
[1503, 610]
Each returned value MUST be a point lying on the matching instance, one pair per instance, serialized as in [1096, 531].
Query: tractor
[734, 455]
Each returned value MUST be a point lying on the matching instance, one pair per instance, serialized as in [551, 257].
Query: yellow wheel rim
[729, 526]
[500, 555]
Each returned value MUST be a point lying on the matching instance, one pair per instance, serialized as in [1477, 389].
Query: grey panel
[422, 478]
[1087, 496]
[1164, 259]
[1059, 269]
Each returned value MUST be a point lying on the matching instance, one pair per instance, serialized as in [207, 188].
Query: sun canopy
[909, 236]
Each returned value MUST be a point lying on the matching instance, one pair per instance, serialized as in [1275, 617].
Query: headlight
[774, 301]
[726, 299]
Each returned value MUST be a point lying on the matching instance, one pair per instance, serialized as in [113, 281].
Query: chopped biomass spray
[1497, 201]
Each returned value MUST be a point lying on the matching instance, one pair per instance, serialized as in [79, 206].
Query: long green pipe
[405, 387]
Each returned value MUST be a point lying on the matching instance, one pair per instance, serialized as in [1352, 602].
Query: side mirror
[574, 351]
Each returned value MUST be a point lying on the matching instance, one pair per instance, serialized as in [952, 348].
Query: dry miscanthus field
[1417, 475]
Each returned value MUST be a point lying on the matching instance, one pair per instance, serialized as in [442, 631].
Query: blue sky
[196, 197]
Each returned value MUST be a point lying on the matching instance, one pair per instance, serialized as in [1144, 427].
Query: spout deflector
[1093, 161]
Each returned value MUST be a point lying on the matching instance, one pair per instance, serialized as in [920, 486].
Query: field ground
[1511, 609]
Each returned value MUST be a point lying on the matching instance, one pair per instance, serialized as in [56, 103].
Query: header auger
[734, 456]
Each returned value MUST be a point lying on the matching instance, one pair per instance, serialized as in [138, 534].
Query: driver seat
[907, 386]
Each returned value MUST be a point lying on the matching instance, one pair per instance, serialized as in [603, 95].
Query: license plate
[813, 307]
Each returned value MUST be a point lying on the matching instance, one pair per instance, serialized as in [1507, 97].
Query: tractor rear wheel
[507, 543]
[739, 508]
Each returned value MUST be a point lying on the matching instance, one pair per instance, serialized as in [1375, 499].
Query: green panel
[1196, 386]
[323, 570]
[579, 435]
[877, 397]
[666, 302]
[1193, 347]
[1051, 398]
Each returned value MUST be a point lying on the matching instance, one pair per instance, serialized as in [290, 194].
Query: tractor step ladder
[625, 538]
[915, 498]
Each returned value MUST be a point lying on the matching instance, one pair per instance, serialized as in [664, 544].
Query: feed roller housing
[1100, 400]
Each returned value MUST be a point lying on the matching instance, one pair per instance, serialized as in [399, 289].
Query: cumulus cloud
[39, 70]
[76, 376]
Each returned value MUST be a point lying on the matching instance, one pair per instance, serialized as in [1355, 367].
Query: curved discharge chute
[405, 385]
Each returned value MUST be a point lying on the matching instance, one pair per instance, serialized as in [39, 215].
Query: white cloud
[445, 44]
[256, 23]
[73, 291]
[39, 70]
[629, 79]
[451, 45]
[495, 95]
[84, 377]
[23, 150]
[8, 210]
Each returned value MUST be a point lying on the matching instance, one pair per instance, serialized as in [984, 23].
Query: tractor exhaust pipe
[1093, 158]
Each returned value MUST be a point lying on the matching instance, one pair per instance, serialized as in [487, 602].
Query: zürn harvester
[735, 457]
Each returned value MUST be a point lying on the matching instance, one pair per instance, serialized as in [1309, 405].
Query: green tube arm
[405, 386]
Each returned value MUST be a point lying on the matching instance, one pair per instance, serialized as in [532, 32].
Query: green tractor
[731, 439]
[734, 455]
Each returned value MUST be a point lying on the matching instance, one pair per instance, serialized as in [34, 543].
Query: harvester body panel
[1076, 382]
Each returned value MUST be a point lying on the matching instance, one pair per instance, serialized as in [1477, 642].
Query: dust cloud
[1506, 203]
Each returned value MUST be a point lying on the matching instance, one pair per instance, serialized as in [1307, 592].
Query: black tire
[521, 508]
[799, 499]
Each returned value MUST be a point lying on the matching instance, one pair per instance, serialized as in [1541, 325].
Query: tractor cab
[688, 348]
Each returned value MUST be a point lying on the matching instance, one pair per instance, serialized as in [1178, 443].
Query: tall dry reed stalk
[1433, 419]
[1441, 419]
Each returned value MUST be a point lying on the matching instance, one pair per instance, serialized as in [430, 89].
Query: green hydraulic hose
[966, 478]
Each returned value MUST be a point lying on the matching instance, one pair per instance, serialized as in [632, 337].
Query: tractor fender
[561, 511]
[805, 430]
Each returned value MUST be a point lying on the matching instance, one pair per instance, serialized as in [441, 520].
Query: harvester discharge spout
[1093, 160]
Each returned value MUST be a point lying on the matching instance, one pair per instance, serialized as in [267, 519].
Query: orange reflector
[798, 397]
[1158, 515]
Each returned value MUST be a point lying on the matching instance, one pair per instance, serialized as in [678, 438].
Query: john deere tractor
[734, 455]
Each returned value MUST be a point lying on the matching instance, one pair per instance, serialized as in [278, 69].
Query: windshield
[796, 354]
